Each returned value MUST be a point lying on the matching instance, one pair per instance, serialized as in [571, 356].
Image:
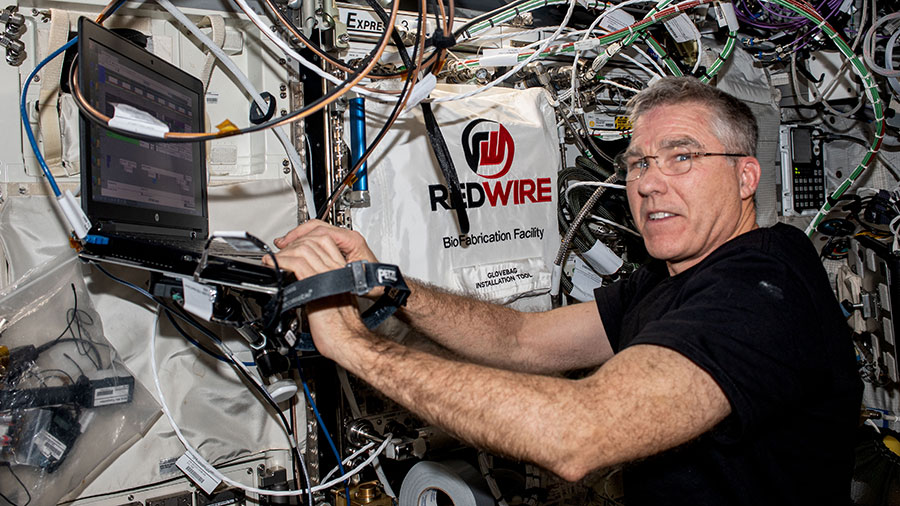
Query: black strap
[439, 40]
[358, 278]
[439, 147]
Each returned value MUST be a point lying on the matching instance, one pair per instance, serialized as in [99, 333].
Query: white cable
[288, 50]
[699, 53]
[603, 220]
[617, 85]
[508, 35]
[573, 88]
[355, 411]
[519, 66]
[242, 78]
[215, 472]
[873, 424]
[894, 226]
[355, 454]
[869, 45]
[643, 67]
[383, 479]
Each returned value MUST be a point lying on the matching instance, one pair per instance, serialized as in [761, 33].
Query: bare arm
[562, 339]
[643, 401]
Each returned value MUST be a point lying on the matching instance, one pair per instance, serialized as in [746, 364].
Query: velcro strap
[442, 154]
[358, 278]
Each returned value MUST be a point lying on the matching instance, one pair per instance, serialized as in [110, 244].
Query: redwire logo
[489, 149]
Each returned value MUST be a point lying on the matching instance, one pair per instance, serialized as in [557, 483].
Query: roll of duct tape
[440, 484]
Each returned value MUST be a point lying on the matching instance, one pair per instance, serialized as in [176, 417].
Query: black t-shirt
[759, 316]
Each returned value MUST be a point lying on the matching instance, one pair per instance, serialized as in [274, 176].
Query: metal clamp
[360, 284]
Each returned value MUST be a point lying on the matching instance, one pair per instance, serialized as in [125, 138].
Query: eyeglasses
[672, 161]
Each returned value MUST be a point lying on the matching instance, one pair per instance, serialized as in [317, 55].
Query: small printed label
[725, 15]
[505, 280]
[49, 446]
[212, 98]
[428, 498]
[681, 28]
[617, 20]
[504, 57]
[586, 45]
[198, 298]
[199, 472]
[107, 396]
[167, 466]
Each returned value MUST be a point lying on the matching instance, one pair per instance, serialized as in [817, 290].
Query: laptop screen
[130, 184]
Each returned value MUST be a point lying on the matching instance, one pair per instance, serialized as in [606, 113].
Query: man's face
[684, 218]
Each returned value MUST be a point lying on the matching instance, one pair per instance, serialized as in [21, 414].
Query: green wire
[637, 31]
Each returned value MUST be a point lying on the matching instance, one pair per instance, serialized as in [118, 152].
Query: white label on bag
[505, 280]
[49, 446]
[106, 396]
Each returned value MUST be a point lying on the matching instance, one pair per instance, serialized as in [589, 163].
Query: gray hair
[733, 123]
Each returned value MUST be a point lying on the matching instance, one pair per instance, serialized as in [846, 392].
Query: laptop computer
[147, 201]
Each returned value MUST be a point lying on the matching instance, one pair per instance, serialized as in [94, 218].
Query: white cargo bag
[505, 150]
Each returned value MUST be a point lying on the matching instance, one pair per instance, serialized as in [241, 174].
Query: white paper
[586, 45]
[132, 119]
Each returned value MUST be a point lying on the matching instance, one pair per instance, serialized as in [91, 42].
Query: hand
[350, 244]
[313, 248]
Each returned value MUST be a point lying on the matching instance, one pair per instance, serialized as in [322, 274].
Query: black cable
[75, 315]
[241, 369]
[190, 339]
[80, 370]
[46, 346]
[487, 15]
[381, 133]
[219, 135]
[295, 31]
[47, 371]
[27, 493]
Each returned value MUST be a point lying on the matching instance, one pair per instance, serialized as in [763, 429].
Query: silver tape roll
[442, 484]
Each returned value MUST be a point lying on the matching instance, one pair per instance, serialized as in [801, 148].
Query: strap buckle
[360, 283]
